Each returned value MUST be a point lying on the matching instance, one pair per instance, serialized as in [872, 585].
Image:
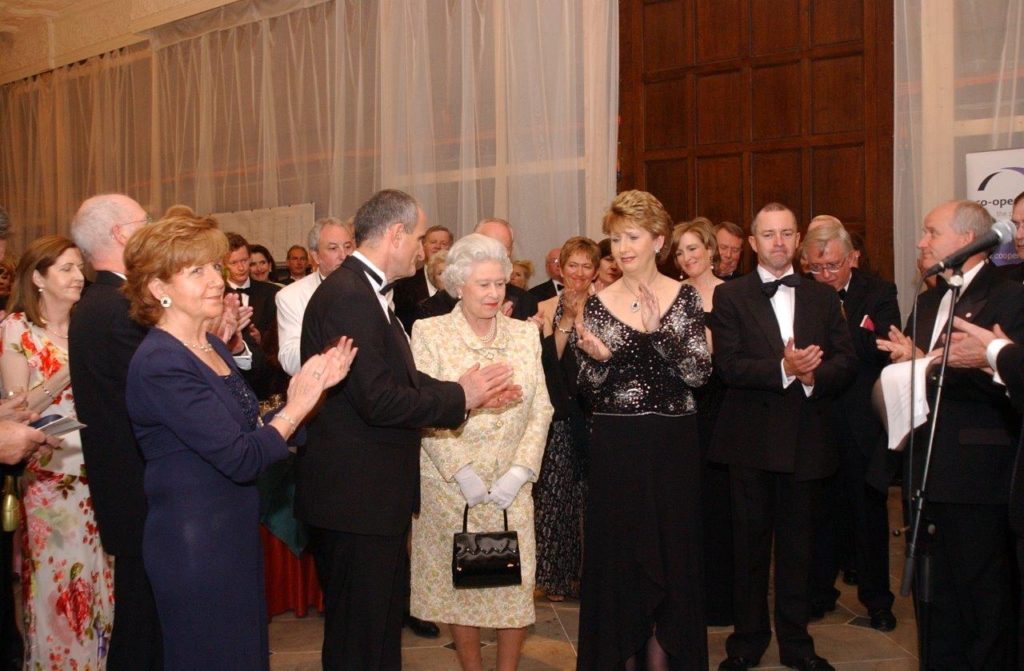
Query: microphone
[1000, 232]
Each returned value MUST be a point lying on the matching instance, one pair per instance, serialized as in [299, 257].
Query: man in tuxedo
[977, 347]
[729, 237]
[852, 509]
[411, 291]
[357, 483]
[102, 340]
[971, 611]
[553, 287]
[784, 354]
[258, 295]
[523, 303]
[330, 241]
[1015, 271]
[297, 262]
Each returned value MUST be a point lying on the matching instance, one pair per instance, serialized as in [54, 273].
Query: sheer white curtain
[478, 107]
[959, 90]
[502, 108]
[72, 132]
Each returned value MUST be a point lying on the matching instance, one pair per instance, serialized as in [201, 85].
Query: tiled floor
[842, 637]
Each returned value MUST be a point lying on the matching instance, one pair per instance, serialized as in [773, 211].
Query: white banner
[994, 178]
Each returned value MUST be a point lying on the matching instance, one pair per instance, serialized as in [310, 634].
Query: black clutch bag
[485, 559]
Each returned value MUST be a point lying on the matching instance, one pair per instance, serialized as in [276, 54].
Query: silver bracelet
[565, 331]
[47, 391]
[286, 418]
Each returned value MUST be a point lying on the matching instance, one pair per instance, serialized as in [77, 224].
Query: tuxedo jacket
[102, 341]
[871, 309]
[1010, 366]
[978, 429]
[1013, 272]
[408, 293]
[261, 298]
[524, 304]
[359, 469]
[762, 424]
[544, 291]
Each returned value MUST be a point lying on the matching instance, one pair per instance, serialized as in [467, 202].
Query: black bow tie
[771, 288]
[241, 290]
[372, 273]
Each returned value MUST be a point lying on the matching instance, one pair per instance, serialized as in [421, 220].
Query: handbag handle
[465, 517]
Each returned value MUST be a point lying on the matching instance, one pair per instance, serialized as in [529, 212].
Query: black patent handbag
[485, 558]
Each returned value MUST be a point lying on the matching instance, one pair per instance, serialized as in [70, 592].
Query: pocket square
[866, 323]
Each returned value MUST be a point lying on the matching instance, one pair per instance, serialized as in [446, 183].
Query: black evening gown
[559, 493]
[198, 433]
[642, 569]
[716, 509]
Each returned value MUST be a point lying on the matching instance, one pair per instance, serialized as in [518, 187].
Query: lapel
[212, 379]
[973, 300]
[927, 309]
[395, 331]
[803, 314]
[856, 297]
[760, 308]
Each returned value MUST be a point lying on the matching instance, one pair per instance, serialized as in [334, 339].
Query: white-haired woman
[488, 463]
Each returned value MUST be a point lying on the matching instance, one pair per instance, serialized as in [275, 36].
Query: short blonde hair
[576, 245]
[526, 265]
[161, 250]
[639, 208]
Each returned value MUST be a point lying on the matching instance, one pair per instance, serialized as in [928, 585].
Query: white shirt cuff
[992, 354]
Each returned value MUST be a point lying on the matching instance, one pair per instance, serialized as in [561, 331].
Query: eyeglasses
[145, 222]
[833, 268]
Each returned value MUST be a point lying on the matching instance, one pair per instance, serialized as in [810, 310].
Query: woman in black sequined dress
[642, 349]
[559, 493]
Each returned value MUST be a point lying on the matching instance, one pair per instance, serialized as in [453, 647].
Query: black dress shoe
[882, 619]
[737, 663]
[812, 663]
[851, 577]
[422, 628]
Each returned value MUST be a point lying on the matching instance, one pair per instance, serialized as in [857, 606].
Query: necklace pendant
[635, 306]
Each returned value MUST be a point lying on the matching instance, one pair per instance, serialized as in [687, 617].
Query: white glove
[505, 488]
[473, 488]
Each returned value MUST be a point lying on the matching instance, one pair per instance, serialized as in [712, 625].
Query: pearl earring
[165, 302]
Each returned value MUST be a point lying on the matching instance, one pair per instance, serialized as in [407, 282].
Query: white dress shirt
[784, 307]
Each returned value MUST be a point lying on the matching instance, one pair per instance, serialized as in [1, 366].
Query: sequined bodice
[648, 372]
[246, 400]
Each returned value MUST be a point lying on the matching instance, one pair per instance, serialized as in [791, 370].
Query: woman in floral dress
[67, 580]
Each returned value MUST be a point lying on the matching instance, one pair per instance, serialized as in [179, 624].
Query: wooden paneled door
[729, 104]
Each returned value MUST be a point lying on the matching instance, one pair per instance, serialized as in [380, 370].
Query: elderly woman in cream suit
[489, 463]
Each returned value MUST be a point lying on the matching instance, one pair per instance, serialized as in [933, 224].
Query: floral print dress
[67, 579]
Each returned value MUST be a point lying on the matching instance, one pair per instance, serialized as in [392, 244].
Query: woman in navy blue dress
[197, 424]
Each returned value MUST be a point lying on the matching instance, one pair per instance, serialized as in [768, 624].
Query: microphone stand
[917, 566]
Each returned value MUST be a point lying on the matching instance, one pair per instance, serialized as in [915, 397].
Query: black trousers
[136, 643]
[766, 504]
[972, 616]
[362, 577]
[852, 532]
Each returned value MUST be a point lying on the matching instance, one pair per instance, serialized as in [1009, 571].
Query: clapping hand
[590, 343]
[489, 387]
[969, 345]
[801, 363]
[650, 311]
[321, 372]
[899, 346]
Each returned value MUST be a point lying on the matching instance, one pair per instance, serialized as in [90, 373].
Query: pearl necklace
[202, 347]
[493, 334]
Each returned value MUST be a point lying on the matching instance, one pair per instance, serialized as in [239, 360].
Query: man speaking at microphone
[972, 614]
